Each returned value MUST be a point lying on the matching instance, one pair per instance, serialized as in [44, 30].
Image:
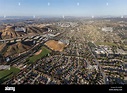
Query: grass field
[6, 74]
[125, 48]
[43, 53]
[106, 43]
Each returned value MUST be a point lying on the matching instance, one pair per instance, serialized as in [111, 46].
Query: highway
[21, 58]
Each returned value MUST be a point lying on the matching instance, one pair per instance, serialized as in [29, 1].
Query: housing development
[69, 50]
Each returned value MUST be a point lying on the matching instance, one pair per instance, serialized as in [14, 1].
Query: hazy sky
[62, 7]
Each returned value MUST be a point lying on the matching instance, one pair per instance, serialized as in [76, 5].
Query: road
[103, 74]
[21, 58]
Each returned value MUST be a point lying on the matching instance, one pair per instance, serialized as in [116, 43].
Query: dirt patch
[55, 45]
[37, 53]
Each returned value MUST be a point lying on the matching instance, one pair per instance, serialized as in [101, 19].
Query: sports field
[55, 45]
[44, 51]
[6, 74]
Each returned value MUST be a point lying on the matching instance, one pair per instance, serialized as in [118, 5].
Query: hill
[16, 48]
[9, 31]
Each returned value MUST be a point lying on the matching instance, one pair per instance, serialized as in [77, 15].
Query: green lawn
[106, 43]
[15, 70]
[44, 52]
[6, 74]
[125, 47]
[91, 44]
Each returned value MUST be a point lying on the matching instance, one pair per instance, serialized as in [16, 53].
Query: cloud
[19, 4]
[107, 4]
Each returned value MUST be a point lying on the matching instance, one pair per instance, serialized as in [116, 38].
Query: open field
[44, 52]
[106, 43]
[5, 74]
[55, 45]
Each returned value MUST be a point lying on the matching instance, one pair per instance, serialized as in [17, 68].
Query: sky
[63, 7]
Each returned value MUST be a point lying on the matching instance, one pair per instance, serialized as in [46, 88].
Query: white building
[107, 29]
[20, 29]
